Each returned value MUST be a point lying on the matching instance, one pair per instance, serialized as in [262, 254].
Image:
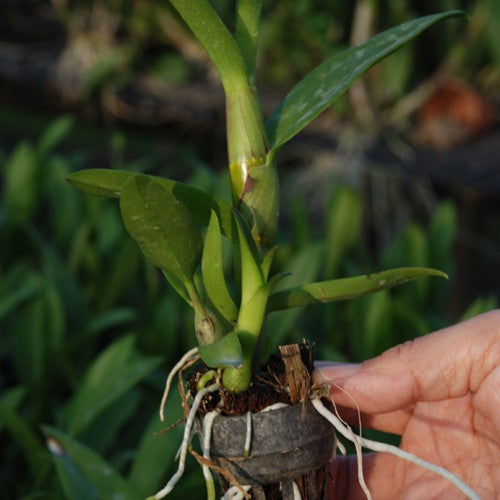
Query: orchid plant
[166, 218]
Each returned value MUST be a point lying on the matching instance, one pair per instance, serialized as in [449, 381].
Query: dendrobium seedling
[165, 217]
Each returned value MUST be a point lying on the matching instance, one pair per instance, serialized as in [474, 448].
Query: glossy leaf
[109, 183]
[330, 79]
[346, 288]
[212, 272]
[162, 226]
[84, 475]
[225, 352]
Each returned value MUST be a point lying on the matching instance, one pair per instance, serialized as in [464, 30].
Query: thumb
[442, 365]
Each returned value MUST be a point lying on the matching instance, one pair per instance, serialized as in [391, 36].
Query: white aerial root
[186, 440]
[359, 452]
[208, 421]
[190, 354]
[275, 406]
[248, 438]
[234, 493]
[394, 450]
[296, 492]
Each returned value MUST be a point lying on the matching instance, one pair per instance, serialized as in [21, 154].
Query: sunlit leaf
[346, 288]
[162, 226]
[224, 352]
[212, 272]
[317, 90]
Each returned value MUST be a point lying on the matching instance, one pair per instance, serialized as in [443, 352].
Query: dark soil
[269, 386]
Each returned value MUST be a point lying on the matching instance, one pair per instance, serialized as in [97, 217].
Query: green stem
[206, 324]
[247, 30]
[215, 38]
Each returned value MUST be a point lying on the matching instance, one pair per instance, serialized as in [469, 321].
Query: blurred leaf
[54, 134]
[21, 181]
[23, 436]
[480, 306]
[110, 319]
[114, 372]
[493, 29]
[83, 474]
[345, 288]
[343, 226]
[156, 453]
[330, 79]
[11, 399]
[224, 352]
[105, 430]
[442, 233]
[104, 182]
[303, 267]
[31, 285]
[377, 319]
[212, 272]
[162, 227]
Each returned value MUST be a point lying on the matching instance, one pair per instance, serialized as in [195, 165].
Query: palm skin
[441, 394]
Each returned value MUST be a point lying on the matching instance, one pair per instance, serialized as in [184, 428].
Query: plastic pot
[294, 443]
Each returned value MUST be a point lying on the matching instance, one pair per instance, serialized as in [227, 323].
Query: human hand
[441, 394]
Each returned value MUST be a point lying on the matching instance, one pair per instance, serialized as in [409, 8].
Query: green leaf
[303, 267]
[21, 181]
[212, 272]
[225, 352]
[343, 227]
[114, 373]
[346, 288]
[23, 436]
[54, 134]
[330, 79]
[105, 182]
[162, 227]
[251, 274]
[84, 475]
[155, 455]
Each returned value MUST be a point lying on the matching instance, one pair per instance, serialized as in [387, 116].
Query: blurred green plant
[81, 339]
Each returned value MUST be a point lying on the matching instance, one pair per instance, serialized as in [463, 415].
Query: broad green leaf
[113, 374]
[225, 352]
[346, 288]
[84, 475]
[213, 274]
[162, 226]
[105, 182]
[330, 79]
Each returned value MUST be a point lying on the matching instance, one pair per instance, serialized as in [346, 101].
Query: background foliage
[88, 330]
